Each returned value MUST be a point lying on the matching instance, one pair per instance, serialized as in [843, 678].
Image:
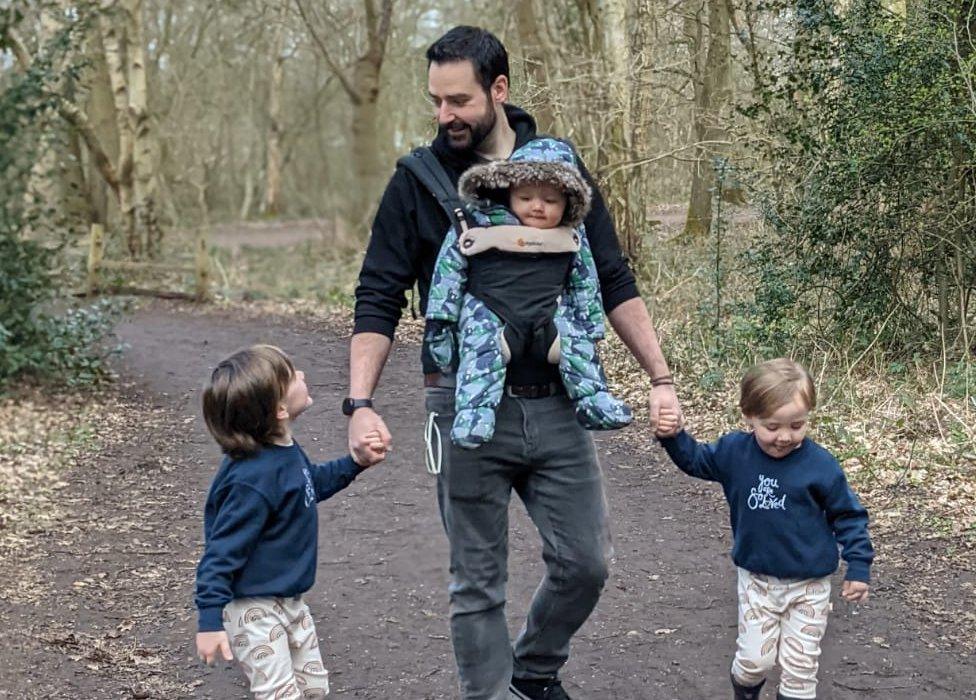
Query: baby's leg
[759, 630]
[804, 624]
[586, 383]
[481, 374]
[256, 627]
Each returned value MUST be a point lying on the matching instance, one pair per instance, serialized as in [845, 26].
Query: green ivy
[869, 182]
[66, 346]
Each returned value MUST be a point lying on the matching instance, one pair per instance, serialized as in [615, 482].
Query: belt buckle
[528, 391]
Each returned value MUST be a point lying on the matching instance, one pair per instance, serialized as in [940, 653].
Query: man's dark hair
[463, 43]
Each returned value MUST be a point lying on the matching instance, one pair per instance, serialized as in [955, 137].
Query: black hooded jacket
[410, 226]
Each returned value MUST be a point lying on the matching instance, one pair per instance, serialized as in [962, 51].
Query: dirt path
[119, 622]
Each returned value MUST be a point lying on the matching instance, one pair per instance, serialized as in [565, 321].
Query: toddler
[261, 526]
[790, 508]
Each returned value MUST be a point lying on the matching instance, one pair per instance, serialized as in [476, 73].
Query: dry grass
[41, 434]
[909, 447]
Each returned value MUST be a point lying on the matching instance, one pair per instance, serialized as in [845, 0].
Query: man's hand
[369, 440]
[854, 591]
[664, 400]
[210, 643]
[375, 451]
[668, 423]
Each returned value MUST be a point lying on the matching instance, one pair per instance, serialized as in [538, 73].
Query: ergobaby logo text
[764, 496]
[309, 488]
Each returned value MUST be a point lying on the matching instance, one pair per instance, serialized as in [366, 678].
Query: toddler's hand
[375, 450]
[210, 643]
[854, 591]
[668, 423]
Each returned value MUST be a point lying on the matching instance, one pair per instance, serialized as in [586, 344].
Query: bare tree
[361, 84]
[272, 192]
[707, 29]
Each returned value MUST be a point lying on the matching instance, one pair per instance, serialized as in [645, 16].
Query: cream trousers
[781, 620]
[275, 643]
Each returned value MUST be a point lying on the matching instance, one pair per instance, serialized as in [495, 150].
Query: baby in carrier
[520, 289]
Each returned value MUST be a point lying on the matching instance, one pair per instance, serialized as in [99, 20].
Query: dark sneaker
[538, 689]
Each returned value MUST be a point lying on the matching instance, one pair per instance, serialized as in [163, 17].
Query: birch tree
[120, 23]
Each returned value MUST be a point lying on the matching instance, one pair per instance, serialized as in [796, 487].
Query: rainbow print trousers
[781, 621]
[275, 643]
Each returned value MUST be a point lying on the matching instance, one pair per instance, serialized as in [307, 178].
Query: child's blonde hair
[241, 401]
[772, 384]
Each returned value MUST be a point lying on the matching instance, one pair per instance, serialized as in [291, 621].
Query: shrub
[33, 338]
[868, 129]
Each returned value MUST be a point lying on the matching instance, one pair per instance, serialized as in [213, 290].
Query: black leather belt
[518, 391]
[443, 381]
[534, 391]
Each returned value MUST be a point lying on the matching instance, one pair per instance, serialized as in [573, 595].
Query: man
[558, 477]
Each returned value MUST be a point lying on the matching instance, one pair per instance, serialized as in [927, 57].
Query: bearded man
[539, 449]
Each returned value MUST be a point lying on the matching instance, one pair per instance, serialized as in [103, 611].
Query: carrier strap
[425, 167]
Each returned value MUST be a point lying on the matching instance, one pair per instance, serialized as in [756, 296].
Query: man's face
[465, 113]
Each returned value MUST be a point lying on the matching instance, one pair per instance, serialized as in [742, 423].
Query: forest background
[787, 177]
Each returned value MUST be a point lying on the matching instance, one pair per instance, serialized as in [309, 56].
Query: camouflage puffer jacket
[503, 293]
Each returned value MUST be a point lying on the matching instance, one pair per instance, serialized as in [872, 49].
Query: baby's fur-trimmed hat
[543, 160]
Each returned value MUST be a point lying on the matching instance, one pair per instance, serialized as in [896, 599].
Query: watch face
[350, 405]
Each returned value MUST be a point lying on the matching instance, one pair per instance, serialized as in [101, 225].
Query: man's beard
[470, 136]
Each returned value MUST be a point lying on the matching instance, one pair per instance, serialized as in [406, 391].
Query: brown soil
[107, 612]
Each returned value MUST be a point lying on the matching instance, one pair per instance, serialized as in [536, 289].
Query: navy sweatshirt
[788, 515]
[261, 527]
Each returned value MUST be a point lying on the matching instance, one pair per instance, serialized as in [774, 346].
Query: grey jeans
[540, 451]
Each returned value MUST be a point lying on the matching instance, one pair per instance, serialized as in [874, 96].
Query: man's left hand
[664, 398]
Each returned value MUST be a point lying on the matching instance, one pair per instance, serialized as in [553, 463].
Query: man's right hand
[361, 446]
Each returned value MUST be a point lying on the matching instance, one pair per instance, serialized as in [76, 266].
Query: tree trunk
[100, 110]
[144, 151]
[534, 55]
[272, 193]
[365, 144]
[363, 91]
[609, 19]
[52, 200]
[113, 42]
[711, 68]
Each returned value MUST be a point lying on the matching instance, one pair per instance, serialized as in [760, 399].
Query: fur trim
[479, 181]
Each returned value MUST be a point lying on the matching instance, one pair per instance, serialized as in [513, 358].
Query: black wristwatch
[349, 405]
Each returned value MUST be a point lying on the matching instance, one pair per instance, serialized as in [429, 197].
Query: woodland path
[664, 628]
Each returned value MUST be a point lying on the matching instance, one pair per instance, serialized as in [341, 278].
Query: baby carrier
[503, 293]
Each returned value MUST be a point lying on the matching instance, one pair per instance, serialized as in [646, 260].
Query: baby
[517, 296]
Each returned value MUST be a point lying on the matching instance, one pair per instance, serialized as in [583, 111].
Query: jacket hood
[543, 160]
